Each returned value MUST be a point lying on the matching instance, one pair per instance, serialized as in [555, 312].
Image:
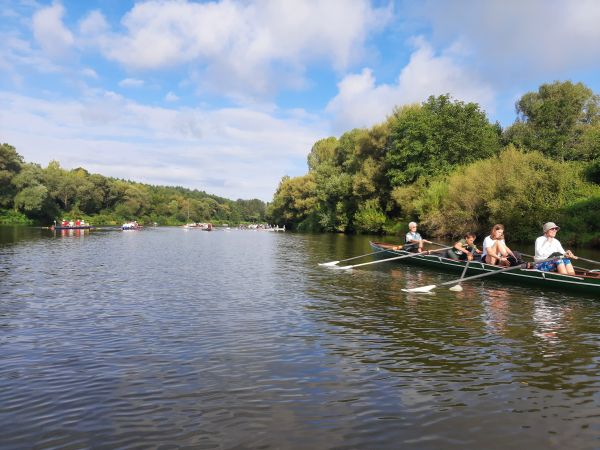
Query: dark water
[167, 338]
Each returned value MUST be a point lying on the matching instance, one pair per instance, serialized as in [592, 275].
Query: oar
[588, 260]
[333, 263]
[438, 244]
[431, 287]
[393, 259]
[458, 287]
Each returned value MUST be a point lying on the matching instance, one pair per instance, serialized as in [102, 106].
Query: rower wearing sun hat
[547, 246]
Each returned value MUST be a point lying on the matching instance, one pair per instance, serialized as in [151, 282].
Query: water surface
[172, 338]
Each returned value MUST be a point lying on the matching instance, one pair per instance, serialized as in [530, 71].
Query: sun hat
[549, 226]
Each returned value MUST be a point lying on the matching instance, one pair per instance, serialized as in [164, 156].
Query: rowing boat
[68, 227]
[583, 281]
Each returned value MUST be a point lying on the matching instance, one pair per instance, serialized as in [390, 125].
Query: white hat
[549, 226]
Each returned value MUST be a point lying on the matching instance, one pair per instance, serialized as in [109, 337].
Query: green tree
[10, 165]
[135, 200]
[32, 195]
[554, 120]
[294, 202]
[436, 137]
[369, 218]
[31, 199]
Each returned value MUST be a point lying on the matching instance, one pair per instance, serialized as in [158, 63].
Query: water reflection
[240, 340]
[71, 233]
[496, 309]
[550, 320]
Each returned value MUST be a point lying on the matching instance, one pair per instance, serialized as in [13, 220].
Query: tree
[32, 195]
[436, 137]
[555, 119]
[135, 200]
[31, 199]
[369, 218]
[10, 165]
[294, 202]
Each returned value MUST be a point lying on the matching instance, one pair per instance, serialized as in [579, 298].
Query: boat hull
[582, 282]
[81, 227]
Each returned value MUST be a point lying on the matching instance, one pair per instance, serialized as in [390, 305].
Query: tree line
[443, 164]
[31, 194]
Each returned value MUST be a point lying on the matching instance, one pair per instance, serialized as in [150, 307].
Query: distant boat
[199, 226]
[131, 226]
[71, 225]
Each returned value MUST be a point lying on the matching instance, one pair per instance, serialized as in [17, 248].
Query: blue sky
[229, 96]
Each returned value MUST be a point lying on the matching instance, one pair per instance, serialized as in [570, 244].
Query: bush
[520, 190]
[369, 218]
[12, 217]
[592, 172]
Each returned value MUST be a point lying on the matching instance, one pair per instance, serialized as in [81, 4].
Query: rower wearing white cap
[547, 246]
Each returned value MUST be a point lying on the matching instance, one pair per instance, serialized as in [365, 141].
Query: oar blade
[456, 288]
[344, 267]
[328, 264]
[421, 290]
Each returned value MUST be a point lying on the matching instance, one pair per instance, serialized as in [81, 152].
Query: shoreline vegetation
[35, 195]
[444, 165]
[441, 163]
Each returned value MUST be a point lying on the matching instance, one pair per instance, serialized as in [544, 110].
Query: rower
[413, 240]
[465, 249]
[547, 246]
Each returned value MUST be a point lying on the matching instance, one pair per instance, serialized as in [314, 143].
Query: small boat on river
[584, 281]
[199, 226]
[131, 226]
[71, 225]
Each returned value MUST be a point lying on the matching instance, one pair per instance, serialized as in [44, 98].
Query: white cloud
[360, 102]
[229, 152]
[171, 97]
[522, 38]
[50, 33]
[89, 73]
[93, 24]
[131, 83]
[243, 48]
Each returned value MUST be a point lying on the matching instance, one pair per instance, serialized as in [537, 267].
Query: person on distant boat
[465, 249]
[495, 250]
[547, 246]
[413, 240]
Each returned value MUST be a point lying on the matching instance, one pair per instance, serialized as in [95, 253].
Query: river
[173, 338]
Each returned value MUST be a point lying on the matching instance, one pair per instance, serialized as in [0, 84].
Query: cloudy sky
[228, 96]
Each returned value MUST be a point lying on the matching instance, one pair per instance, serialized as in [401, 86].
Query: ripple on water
[240, 340]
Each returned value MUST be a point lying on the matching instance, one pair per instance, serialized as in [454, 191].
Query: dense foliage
[445, 165]
[32, 194]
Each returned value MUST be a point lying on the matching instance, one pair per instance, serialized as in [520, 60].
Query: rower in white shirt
[547, 246]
